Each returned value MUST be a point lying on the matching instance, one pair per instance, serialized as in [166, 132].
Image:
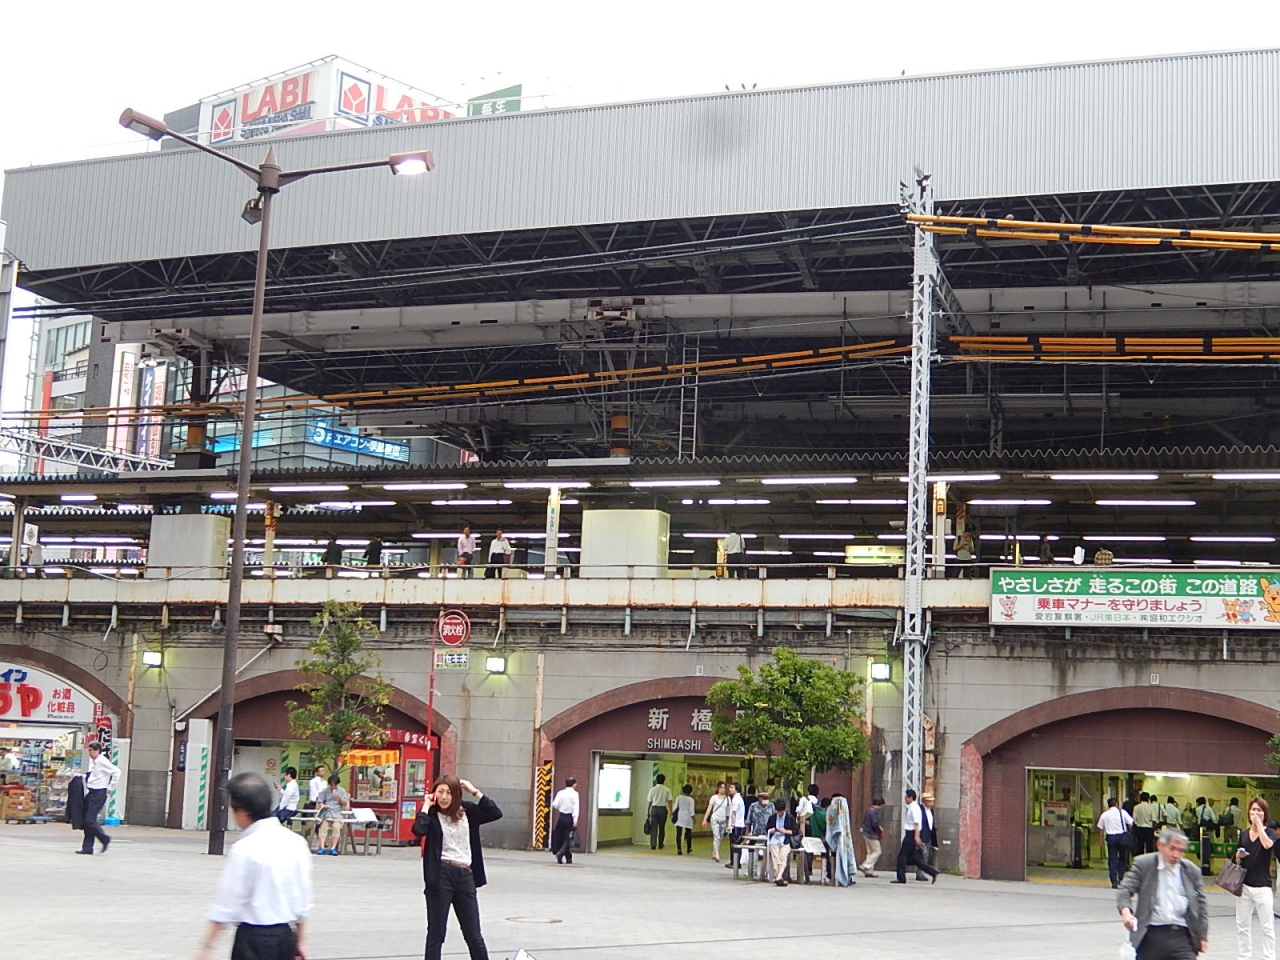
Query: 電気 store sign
[330, 94]
[33, 696]
[1111, 597]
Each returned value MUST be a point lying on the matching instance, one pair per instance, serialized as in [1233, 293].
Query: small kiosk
[392, 780]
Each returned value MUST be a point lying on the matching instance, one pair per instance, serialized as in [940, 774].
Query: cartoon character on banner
[1008, 607]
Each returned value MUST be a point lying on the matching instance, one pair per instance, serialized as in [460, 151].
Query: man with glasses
[1171, 922]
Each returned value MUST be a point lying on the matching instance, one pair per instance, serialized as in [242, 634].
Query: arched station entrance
[1035, 779]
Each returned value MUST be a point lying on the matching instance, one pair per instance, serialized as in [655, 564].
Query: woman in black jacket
[452, 861]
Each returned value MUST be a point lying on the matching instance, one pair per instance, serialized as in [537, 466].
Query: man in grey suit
[1171, 922]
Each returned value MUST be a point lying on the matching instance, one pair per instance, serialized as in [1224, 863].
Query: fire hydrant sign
[454, 628]
[1110, 596]
[28, 695]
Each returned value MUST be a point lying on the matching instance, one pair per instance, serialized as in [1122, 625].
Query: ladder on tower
[687, 446]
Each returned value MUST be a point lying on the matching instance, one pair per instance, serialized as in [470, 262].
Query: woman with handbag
[717, 816]
[1254, 855]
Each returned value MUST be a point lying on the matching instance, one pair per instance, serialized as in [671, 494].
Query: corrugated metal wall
[1060, 129]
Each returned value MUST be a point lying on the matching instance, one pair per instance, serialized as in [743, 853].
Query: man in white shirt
[100, 778]
[1114, 824]
[317, 786]
[499, 554]
[658, 807]
[566, 806]
[737, 823]
[466, 553]
[288, 796]
[912, 849]
[735, 554]
[265, 889]
[1144, 824]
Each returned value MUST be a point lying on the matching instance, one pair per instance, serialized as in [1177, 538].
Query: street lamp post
[270, 179]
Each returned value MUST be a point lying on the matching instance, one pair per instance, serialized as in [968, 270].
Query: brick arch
[624, 696]
[1181, 699]
[993, 761]
[112, 702]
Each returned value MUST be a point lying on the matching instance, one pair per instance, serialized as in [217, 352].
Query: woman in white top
[717, 816]
[682, 816]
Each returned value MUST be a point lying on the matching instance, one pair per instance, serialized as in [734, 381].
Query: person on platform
[839, 838]
[289, 795]
[1114, 826]
[567, 805]
[929, 834]
[1171, 922]
[265, 891]
[453, 862]
[373, 553]
[334, 801]
[658, 807]
[332, 556]
[912, 850]
[682, 816]
[466, 553]
[735, 554]
[1144, 824]
[872, 833]
[499, 555]
[716, 816]
[1255, 852]
[100, 779]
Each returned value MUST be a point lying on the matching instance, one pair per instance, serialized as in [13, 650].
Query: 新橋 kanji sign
[1111, 597]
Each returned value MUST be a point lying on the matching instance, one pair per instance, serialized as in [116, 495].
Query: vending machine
[392, 780]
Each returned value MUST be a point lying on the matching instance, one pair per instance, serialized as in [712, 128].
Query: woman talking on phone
[452, 861]
[1254, 854]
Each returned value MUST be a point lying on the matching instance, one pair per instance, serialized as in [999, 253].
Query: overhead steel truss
[35, 446]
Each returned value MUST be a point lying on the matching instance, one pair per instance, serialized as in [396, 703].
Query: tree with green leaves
[800, 713]
[1273, 752]
[347, 696]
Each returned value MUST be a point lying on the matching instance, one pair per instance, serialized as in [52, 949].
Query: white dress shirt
[737, 812]
[566, 801]
[289, 795]
[1170, 907]
[733, 543]
[499, 546]
[1114, 820]
[911, 817]
[102, 774]
[266, 879]
[317, 786]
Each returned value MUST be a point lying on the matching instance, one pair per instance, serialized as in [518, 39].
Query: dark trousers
[1146, 839]
[285, 816]
[1117, 857]
[94, 801]
[562, 838]
[1206, 850]
[457, 888]
[657, 827]
[687, 833]
[1167, 943]
[277, 942]
[909, 854]
[737, 564]
[735, 838]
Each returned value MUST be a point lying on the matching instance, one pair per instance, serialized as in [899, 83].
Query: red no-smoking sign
[454, 628]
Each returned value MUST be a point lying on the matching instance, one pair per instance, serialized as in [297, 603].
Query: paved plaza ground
[145, 900]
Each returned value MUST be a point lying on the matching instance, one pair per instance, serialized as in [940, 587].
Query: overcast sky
[71, 67]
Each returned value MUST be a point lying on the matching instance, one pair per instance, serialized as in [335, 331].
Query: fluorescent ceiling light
[1214, 539]
[546, 484]
[891, 536]
[1144, 503]
[1002, 536]
[828, 553]
[1010, 503]
[675, 483]
[1142, 561]
[715, 536]
[354, 504]
[881, 502]
[1118, 477]
[769, 553]
[1217, 563]
[529, 534]
[79, 497]
[1272, 475]
[470, 503]
[737, 503]
[222, 495]
[310, 488]
[684, 551]
[406, 487]
[956, 478]
[817, 536]
[569, 502]
[807, 481]
[436, 536]
[1124, 538]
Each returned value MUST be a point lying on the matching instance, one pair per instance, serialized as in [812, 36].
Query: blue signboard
[231, 441]
[326, 436]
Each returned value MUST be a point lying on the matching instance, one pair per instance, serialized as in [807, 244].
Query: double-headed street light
[270, 180]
